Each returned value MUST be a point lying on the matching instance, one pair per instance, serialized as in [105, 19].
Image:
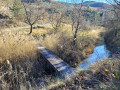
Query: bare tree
[76, 18]
[73, 19]
[117, 2]
[116, 11]
[115, 7]
[56, 19]
[32, 13]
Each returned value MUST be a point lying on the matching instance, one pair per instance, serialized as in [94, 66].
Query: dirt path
[25, 27]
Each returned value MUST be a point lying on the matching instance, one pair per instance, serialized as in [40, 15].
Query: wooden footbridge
[60, 66]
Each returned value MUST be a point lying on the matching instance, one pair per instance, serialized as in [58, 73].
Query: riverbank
[112, 40]
[101, 75]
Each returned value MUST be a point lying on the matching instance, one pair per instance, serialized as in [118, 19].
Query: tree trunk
[75, 34]
[116, 32]
[75, 37]
[72, 27]
[31, 27]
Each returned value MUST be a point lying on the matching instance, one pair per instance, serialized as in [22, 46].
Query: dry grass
[17, 56]
[107, 73]
[16, 45]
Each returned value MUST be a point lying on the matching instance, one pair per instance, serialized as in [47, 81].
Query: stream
[100, 52]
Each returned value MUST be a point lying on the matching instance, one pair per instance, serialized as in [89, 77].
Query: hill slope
[99, 5]
[94, 4]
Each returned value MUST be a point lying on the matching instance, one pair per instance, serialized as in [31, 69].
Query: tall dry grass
[16, 45]
[17, 56]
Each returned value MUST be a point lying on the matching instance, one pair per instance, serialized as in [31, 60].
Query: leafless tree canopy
[32, 13]
[76, 18]
[56, 19]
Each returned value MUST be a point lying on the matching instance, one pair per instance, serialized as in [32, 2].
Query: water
[100, 52]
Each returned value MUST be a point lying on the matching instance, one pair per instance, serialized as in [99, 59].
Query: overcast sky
[80, 0]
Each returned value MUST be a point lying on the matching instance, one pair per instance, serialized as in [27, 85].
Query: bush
[112, 39]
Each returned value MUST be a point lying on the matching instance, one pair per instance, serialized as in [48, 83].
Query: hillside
[37, 0]
[94, 4]
[99, 5]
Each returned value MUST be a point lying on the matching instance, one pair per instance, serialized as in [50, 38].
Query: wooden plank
[59, 65]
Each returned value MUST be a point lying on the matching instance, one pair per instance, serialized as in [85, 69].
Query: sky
[70, 1]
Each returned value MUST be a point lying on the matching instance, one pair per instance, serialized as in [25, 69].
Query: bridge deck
[59, 65]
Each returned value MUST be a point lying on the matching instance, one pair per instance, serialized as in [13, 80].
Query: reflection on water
[99, 53]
